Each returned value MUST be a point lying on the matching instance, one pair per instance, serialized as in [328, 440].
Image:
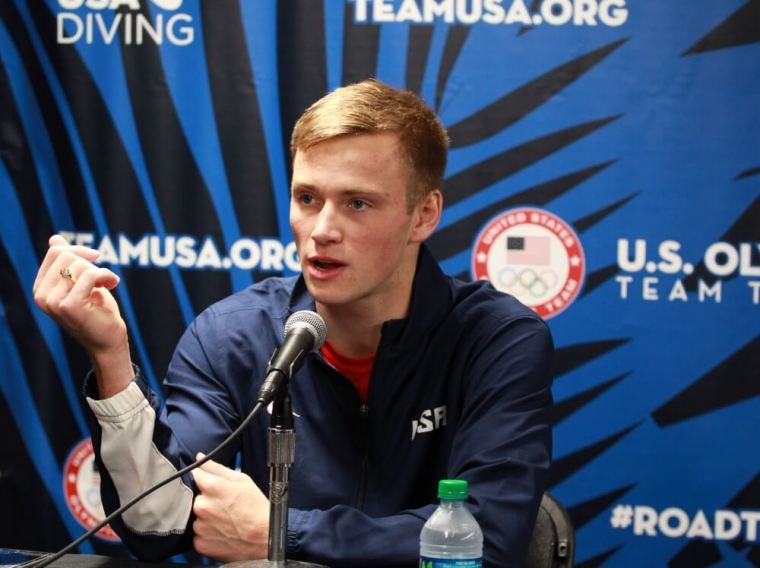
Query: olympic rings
[527, 280]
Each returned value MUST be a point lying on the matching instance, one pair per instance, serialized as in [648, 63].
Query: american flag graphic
[528, 250]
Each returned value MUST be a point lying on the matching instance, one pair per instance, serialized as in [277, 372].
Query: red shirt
[356, 369]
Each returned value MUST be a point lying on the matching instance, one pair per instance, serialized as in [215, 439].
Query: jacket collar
[431, 300]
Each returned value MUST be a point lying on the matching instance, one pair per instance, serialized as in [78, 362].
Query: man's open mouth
[324, 264]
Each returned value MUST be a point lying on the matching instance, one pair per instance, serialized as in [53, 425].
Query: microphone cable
[52, 557]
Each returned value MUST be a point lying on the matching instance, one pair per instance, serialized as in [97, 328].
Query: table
[93, 561]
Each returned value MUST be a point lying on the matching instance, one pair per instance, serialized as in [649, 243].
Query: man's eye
[358, 204]
[306, 199]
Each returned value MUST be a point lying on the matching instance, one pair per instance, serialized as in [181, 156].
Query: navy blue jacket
[461, 388]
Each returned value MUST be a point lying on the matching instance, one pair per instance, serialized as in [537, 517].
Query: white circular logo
[534, 256]
[81, 486]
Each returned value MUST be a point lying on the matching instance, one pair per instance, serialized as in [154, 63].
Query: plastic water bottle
[451, 536]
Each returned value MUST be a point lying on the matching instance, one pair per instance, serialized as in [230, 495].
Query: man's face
[348, 211]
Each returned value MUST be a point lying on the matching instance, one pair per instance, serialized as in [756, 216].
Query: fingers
[212, 488]
[214, 479]
[208, 540]
[203, 480]
[50, 286]
[88, 277]
[53, 287]
[204, 527]
[60, 248]
[218, 469]
[54, 247]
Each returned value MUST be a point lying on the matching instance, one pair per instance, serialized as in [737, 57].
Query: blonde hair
[369, 107]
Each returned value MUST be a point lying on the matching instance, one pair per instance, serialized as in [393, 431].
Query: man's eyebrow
[300, 187]
[363, 191]
[349, 192]
[306, 186]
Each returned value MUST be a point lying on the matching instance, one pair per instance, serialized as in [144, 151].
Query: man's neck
[354, 329]
[354, 337]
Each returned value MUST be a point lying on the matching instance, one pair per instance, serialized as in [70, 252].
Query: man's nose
[327, 227]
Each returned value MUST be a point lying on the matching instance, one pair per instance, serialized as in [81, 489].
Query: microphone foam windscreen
[312, 322]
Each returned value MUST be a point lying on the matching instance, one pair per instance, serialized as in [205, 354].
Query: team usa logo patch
[534, 256]
[81, 486]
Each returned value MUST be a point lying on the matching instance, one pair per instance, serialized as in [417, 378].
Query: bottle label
[426, 562]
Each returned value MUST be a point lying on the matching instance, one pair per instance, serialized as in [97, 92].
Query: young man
[423, 377]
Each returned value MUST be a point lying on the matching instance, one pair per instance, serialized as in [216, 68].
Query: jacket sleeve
[124, 429]
[135, 446]
[502, 447]
[345, 536]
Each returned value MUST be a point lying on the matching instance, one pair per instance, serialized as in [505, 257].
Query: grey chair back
[553, 542]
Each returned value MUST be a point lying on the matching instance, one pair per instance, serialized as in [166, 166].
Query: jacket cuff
[120, 406]
[296, 520]
[90, 385]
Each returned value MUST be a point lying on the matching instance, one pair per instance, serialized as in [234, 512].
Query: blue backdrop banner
[605, 169]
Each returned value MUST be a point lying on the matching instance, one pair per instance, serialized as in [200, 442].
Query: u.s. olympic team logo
[533, 255]
[81, 486]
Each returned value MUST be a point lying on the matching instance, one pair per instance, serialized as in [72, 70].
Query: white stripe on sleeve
[134, 463]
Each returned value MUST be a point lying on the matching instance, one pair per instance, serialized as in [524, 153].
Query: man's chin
[333, 298]
[325, 293]
[328, 300]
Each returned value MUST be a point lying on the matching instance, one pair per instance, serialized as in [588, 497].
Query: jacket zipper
[361, 491]
[364, 471]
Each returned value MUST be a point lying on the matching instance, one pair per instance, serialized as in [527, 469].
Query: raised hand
[76, 294]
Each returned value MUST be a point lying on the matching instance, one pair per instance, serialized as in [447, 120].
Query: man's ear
[426, 214]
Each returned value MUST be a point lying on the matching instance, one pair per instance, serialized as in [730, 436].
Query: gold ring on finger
[65, 272]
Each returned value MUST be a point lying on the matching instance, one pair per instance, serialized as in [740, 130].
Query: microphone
[305, 331]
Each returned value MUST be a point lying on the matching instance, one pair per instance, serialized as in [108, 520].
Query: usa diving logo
[534, 256]
[128, 22]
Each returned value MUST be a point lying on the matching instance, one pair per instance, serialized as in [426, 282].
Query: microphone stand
[281, 449]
